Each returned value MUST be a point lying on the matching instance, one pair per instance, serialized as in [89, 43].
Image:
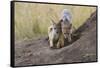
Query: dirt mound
[38, 52]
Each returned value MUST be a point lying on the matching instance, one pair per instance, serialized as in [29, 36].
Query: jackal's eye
[65, 33]
[50, 29]
[55, 28]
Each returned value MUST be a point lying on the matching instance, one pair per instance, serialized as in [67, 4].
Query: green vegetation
[32, 20]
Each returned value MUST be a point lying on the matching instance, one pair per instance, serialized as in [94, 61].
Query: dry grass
[32, 20]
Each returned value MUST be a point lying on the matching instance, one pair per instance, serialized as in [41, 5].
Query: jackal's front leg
[62, 42]
[51, 44]
[69, 38]
[58, 44]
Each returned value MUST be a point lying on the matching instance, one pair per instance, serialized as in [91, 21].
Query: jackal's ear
[53, 22]
[60, 21]
[49, 29]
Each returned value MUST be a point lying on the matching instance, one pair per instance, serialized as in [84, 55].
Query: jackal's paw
[62, 46]
[51, 46]
[58, 47]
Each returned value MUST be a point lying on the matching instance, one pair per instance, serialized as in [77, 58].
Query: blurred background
[33, 19]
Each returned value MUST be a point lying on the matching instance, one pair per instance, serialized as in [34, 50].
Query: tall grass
[32, 20]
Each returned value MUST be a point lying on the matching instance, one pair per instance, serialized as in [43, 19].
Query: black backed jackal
[59, 32]
[66, 24]
[55, 34]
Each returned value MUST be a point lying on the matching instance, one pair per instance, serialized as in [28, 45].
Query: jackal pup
[54, 33]
[66, 24]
